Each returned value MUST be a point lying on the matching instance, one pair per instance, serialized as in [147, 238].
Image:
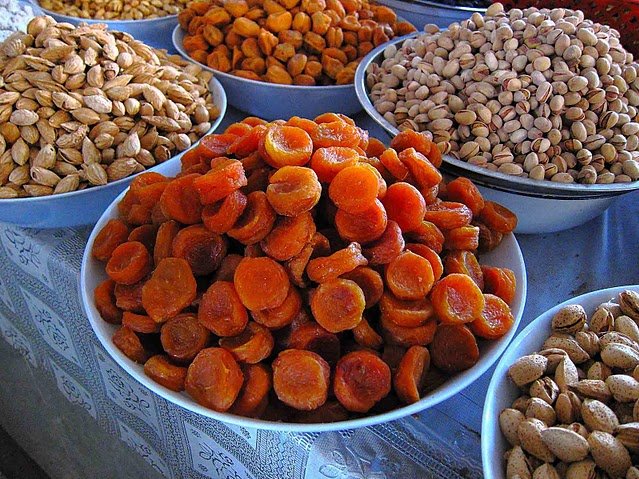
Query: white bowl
[84, 207]
[421, 12]
[272, 101]
[502, 392]
[541, 206]
[155, 32]
[507, 255]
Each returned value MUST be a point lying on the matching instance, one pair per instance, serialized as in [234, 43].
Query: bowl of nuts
[255, 300]
[550, 131]
[562, 400]
[279, 60]
[79, 124]
[148, 21]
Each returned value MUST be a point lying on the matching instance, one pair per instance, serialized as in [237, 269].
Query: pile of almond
[578, 415]
[83, 106]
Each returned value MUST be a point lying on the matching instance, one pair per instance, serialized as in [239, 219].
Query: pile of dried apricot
[301, 42]
[301, 271]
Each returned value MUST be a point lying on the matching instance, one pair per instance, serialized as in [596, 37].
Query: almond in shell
[609, 453]
[598, 417]
[527, 369]
[567, 445]
[530, 438]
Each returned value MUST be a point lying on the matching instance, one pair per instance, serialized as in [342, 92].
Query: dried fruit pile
[578, 412]
[307, 42]
[287, 257]
[115, 9]
[83, 106]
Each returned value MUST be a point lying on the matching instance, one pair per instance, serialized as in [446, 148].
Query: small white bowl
[502, 392]
[155, 32]
[272, 101]
[506, 255]
[84, 207]
[541, 206]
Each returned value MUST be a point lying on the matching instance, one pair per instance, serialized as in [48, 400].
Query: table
[41, 317]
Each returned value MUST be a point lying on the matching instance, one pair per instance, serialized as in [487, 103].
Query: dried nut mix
[307, 42]
[535, 93]
[83, 106]
[577, 420]
[115, 9]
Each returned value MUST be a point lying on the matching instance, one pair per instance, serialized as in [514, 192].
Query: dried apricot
[248, 141]
[409, 276]
[292, 190]
[500, 282]
[282, 315]
[220, 217]
[327, 162]
[361, 380]
[145, 234]
[183, 337]
[167, 232]
[366, 336]
[464, 262]
[301, 379]
[253, 397]
[200, 247]
[464, 191]
[457, 299]
[428, 253]
[489, 239]
[337, 305]
[428, 234]
[386, 247]
[112, 235]
[328, 268]
[407, 336]
[312, 337]
[407, 314]
[454, 348]
[369, 281]
[129, 263]
[221, 310]
[411, 374]
[172, 288]
[498, 217]
[405, 205]
[128, 297]
[225, 176]
[447, 215]
[354, 189]
[390, 160]
[412, 139]
[289, 236]
[496, 319]
[139, 323]
[286, 146]
[180, 200]
[214, 379]
[423, 172]
[251, 346]
[104, 297]
[462, 238]
[256, 221]
[160, 369]
[261, 283]
[363, 227]
[226, 271]
[335, 133]
[129, 343]
[213, 146]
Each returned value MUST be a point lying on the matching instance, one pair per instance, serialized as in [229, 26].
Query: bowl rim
[489, 418]
[217, 90]
[455, 384]
[444, 6]
[544, 188]
[178, 36]
[71, 19]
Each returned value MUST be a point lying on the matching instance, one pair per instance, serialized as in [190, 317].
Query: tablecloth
[41, 316]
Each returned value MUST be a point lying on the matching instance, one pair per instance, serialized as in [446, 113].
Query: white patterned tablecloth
[41, 316]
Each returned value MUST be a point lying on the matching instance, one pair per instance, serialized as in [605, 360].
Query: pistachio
[566, 374]
[594, 389]
[540, 409]
[585, 469]
[568, 344]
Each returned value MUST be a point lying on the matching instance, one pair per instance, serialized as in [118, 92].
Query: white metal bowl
[155, 32]
[421, 12]
[84, 207]
[506, 255]
[272, 101]
[502, 392]
[541, 206]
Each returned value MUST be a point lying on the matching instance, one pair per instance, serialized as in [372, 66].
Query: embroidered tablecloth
[41, 316]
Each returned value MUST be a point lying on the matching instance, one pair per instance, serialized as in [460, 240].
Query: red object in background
[620, 15]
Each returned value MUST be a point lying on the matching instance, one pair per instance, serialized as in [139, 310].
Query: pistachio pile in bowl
[540, 94]
[578, 412]
[83, 106]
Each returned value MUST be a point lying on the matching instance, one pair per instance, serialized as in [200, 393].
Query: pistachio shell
[602, 320]
[609, 453]
[626, 325]
[544, 388]
[546, 471]
[566, 374]
[568, 407]
[567, 445]
[620, 356]
[568, 344]
[593, 389]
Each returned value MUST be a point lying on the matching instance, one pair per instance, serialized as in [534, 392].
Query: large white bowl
[155, 32]
[272, 101]
[502, 392]
[421, 12]
[541, 206]
[507, 255]
[84, 207]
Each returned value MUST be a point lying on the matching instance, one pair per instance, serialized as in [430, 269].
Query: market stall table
[41, 316]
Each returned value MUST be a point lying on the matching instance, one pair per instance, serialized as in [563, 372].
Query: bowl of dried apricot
[299, 275]
[279, 59]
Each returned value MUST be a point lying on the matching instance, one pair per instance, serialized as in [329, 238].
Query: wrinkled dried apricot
[104, 297]
[225, 177]
[312, 337]
[289, 236]
[335, 133]
[369, 281]
[366, 336]
[423, 172]
[337, 305]
[213, 146]
[464, 191]
[410, 376]
[405, 205]
[404, 313]
[363, 227]
[454, 348]
[412, 139]
[301, 379]
[428, 253]
[172, 288]
[409, 276]
[447, 215]
[253, 397]
[167, 232]
[214, 379]
[145, 234]
[498, 217]
[139, 323]
[428, 234]
[251, 346]
[327, 162]
[331, 267]
[286, 146]
[112, 235]
[354, 189]
[129, 343]
[261, 283]
[256, 221]
[457, 299]
[160, 369]
[180, 200]
[500, 282]
[282, 315]
[462, 238]
[226, 271]
[247, 142]
[464, 262]
[387, 246]
[200, 247]
[220, 217]
[129, 263]
[496, 319]
[489, 239]
[183, 337]
[221, 310]
[407, 336]
[128, 297]
[292, 190]
[361, 380]
[390, 160]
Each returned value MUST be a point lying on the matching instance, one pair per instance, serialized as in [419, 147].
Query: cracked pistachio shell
[527, 368]
[585, 469]
[544, 388]
[626, 325]
[566, 374]
[602, 320]
[593, 389]
[633, 473]
[567, 445]
[589, 342]
[628, 434]
[554, 356]
[568, 407]
[568, 344]
[629, 304]
[546, 471]
[598, 370]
